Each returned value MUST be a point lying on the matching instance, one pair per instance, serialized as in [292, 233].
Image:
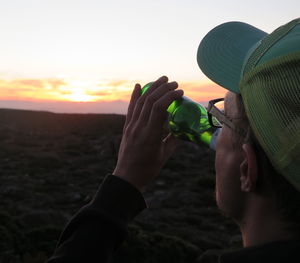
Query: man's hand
[144, 150]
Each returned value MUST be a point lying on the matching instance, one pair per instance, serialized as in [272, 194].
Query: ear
[248, 169]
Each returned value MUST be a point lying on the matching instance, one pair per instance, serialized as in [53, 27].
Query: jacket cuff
[118, 198]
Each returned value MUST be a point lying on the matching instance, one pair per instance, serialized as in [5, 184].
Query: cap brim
[224, 50]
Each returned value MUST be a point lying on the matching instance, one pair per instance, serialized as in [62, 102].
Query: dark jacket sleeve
[94, 233]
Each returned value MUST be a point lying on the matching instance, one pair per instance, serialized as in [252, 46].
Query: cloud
[64, 90]
[114, 83]
[99, 93]
[30, 89]
[33, 83]
[56, 83]
[202, 91]
[51, 94]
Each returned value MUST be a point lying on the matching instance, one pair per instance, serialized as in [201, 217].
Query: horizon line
[68, 107]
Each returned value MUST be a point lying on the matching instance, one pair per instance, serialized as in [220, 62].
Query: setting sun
[77, 91]
[78, 95]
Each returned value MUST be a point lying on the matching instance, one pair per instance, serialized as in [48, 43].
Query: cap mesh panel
[271, 94]
[268, 42]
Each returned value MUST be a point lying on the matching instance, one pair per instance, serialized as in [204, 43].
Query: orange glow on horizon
[202, 91]
[63, 90]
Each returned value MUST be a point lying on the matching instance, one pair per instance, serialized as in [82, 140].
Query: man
[257, 155]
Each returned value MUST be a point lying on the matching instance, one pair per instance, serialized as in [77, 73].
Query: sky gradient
[86, 55]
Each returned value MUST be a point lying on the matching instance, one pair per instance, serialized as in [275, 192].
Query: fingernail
[164, 78]
[180, 92]
[174, 83]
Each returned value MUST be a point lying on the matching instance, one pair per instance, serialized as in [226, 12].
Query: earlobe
[248, 169]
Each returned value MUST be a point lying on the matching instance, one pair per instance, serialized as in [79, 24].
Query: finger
[141, 100]
[159, 110]
[134, 97]
[165, 140]
[153, 97]
[160, 81]
[170, 145]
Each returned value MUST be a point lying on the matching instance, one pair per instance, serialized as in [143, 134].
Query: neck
[262, 224]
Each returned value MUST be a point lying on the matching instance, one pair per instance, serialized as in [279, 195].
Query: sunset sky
[86, 55]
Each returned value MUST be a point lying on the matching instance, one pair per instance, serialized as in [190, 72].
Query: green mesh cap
[265, 70]
[271, 96]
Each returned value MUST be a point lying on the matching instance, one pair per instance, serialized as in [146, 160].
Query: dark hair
[286, 197]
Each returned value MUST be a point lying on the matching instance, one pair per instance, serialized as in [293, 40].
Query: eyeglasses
[217, 118]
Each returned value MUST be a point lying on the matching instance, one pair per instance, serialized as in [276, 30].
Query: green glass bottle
[188, 120]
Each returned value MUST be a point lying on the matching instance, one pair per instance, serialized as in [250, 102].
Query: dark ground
[51, 165]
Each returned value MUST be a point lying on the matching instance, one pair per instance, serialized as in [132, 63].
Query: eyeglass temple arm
[220, 116]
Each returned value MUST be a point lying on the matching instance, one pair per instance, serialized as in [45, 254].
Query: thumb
[170, 143]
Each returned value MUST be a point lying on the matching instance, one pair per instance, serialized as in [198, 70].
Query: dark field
[51, 165]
